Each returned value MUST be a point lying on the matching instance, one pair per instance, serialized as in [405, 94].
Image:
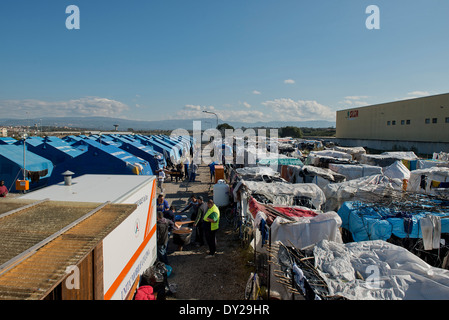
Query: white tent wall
[301, 233]
[355, 171]
[397, 171]
[417, 177]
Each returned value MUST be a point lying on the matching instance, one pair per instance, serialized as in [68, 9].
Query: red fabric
[255, 207]
[145, 293]
[296, 212]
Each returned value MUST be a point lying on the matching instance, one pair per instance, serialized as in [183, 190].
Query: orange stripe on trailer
[150, 208]
[128, 266]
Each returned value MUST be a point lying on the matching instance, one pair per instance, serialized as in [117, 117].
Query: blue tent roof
[101, 159]
[56, 150]
[11, 164]
[7, 140]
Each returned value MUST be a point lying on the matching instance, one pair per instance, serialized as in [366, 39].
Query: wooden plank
[131, 293]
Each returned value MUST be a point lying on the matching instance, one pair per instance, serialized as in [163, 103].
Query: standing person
[193, 206]
[3, 189]
[212, 171]
[163, 233]
[162, 204]
[210, 226]
[198, 224]
[186, 167]
[161, 178]
[194, 169]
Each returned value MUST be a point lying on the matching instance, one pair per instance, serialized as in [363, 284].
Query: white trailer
[131, 247]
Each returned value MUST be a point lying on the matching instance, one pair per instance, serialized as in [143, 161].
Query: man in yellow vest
[210, 226]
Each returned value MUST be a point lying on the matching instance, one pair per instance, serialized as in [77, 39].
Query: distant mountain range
[107, 124]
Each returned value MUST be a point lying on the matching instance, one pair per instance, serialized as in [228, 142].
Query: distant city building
[3, 132]
[423, 119]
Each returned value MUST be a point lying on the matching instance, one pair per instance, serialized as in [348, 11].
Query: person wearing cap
[198, 224]
[210, 225]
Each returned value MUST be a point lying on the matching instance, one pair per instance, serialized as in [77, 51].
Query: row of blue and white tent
[47, 158]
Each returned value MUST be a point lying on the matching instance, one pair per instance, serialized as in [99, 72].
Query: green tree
[224, 126]
[293, 132]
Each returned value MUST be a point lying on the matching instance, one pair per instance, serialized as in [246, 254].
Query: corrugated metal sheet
[40, 270]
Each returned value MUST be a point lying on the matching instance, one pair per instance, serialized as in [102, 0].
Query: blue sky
[246, 60]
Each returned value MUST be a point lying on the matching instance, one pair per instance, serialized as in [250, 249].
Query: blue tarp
[11, 166]
[370, 222]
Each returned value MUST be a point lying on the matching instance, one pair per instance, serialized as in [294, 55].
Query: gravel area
[222, 277]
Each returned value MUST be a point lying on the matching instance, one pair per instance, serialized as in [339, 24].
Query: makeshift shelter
[38, 169]
[355, 171]
[397, 170]
[434, 180]
[281, 193]
[386, 159]
[310, 174]
[325, 157]
[355, 152]
[366, 188]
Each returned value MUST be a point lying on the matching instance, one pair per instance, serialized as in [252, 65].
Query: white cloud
[256, 92]
[196, 112]
[354, 101]
[88, 106]
[289, 81]
[418, 93]
[355, 97]
[288, 109]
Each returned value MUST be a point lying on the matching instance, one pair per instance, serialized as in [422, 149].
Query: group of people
[184, 170]
[205, 217]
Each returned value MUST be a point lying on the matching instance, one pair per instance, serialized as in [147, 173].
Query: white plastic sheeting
[366, 188]
[307, 231]
[397, 171]
[355, 171]
[315, 156]
[355, 152]
[301, 233]
[421, 180]
[258, 171]
[387, 158]
[389, 272]
[284, 193]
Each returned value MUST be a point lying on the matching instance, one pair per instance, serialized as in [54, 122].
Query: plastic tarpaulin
[355, 171]
[397, 171]
[428, 180]
[286, 193]
[307, 231]
[369, 222]
[387, 158]
[389, 272]
[355, 152]
[365, 188]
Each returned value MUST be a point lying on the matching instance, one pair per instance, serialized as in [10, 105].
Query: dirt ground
[223, 277]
